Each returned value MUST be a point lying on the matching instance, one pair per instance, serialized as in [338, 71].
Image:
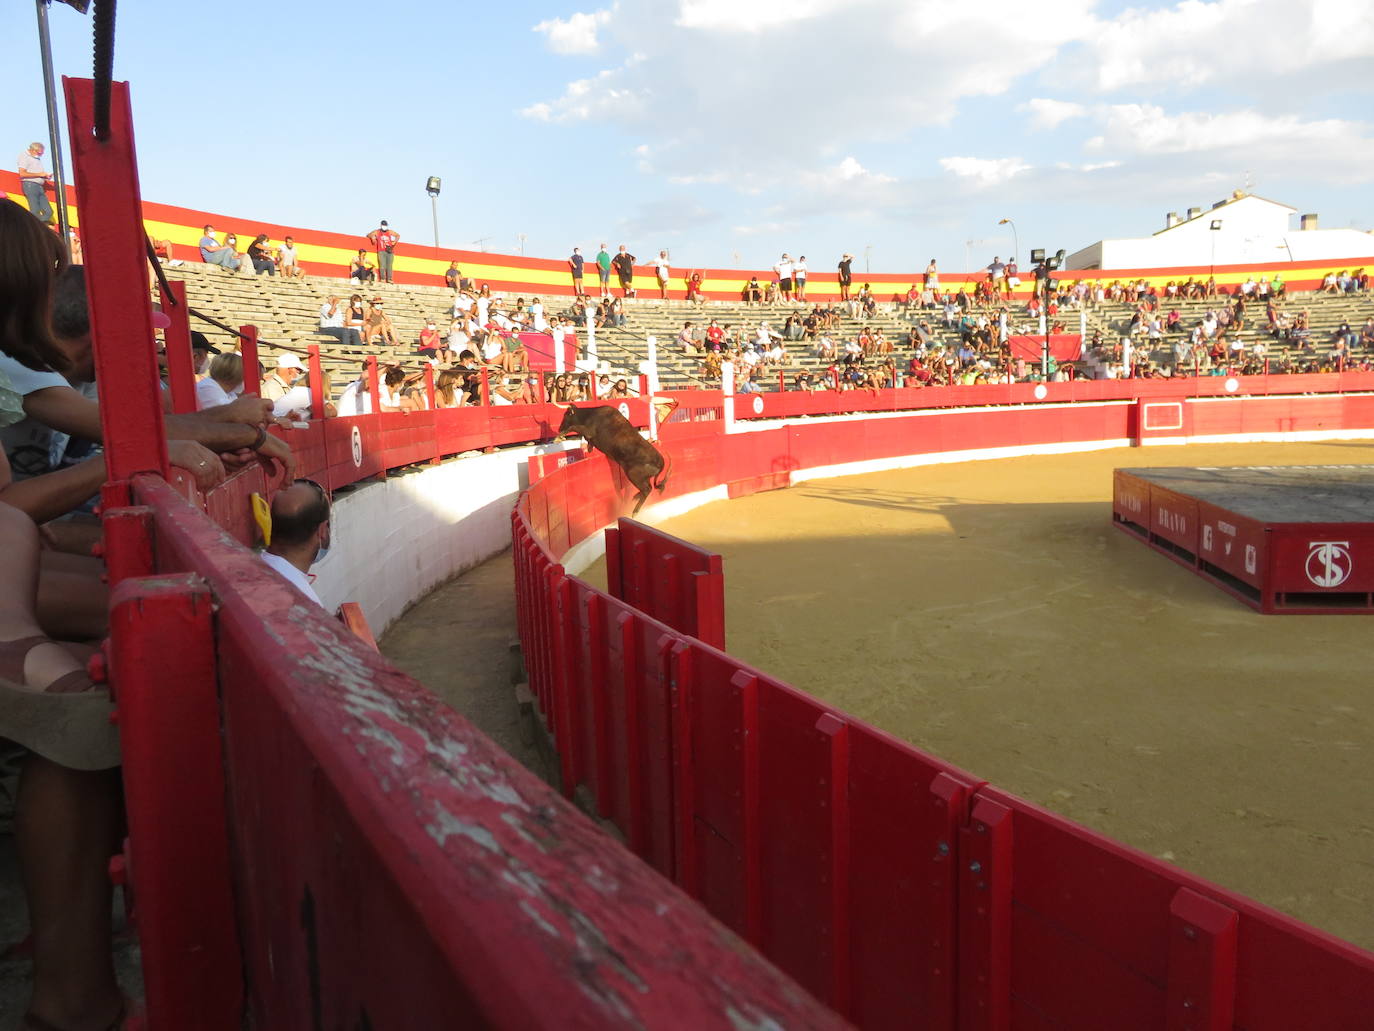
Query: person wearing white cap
[281, 379]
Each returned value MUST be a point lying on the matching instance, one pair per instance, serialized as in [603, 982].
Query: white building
[1242, 230]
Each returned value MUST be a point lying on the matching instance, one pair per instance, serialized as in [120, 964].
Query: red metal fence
[900, 890]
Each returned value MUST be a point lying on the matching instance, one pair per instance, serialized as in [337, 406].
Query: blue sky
[896, 130]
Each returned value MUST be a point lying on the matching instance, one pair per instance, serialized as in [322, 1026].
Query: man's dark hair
[71, 317]
[294, 521]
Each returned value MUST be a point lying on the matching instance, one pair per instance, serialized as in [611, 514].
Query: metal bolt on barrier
[944, 848]
[975, 866]
[1190, 933]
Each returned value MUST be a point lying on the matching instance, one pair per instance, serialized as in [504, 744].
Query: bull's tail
[662, 480]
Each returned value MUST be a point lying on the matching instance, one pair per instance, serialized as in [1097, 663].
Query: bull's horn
[560, 404]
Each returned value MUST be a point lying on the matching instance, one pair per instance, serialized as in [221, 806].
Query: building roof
[1234, 199]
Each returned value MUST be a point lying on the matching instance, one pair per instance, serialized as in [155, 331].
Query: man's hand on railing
[248, 409]
[274, 449]
[198, 460]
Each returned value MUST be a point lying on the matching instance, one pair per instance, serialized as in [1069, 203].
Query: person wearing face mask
[213, 254]
[300, 534]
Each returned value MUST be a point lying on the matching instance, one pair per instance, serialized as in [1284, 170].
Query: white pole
[591, 337]
[1002, 328]
[1083, 323]
[558, 344]
[653, 386]
[727, 386]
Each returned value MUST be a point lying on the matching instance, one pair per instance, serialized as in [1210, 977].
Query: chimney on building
[1194, 212]
[1171, 219]
[1307, 222]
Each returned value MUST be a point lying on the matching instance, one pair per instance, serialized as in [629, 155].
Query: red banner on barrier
[1064, 347]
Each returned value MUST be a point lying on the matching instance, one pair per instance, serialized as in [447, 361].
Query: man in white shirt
[300, 534]
[286, 260]
[783, 270]
[282, 378]
[799, 271]
[662, 271]
[33, 181]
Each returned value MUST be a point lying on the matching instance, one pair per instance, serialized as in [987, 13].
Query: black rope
[104, 18]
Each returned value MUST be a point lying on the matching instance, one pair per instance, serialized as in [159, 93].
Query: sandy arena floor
[988, 612]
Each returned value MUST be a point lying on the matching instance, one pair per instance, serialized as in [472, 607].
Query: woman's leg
[67, 826]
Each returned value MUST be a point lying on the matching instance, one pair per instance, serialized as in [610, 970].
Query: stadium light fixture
[1015, 241]
[432, 185]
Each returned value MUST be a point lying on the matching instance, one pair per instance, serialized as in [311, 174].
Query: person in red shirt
[715, 337]
[384, 240]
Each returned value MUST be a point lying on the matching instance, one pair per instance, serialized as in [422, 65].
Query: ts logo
[1329, 563]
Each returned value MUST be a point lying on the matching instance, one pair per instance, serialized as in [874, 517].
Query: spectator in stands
[356, 398]
[378, 324]
[452, 276]
[261, 256]
[297, 404]
[662, 272]
[34, 181]
[360, 269]
[753, 292]
[332, 318]
[562, 391]
[432, 343]
[448, 389]
[213, 254]
[223, 383]
[620, 389]
[282, 378]
[846, 275]
[603, 270]
[575, 263]
[384, 240]
[286, 260]
[799, 273]
[624, 263]
[300, 534]
[783, 271]
[694, 291]
[201, 352]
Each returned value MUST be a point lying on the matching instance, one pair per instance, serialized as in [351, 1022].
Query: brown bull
[604, 428]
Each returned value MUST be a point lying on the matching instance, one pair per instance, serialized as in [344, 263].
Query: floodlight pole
[54, 133]
[434, 212]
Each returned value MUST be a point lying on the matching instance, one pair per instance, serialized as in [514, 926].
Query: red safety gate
[668, 578]
[900, 890]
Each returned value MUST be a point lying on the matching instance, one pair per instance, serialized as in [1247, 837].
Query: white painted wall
[396, 540]
[1253, 231]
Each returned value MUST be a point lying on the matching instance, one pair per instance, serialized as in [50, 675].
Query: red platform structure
[1296, 539]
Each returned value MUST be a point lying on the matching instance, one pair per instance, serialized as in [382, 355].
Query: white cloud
[1226, 41]
[576, 34]
[1048, 114]
[584, 99]
[985, 171]
[758, 16]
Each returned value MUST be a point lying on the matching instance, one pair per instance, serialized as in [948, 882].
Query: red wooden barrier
[665, 577]
[897, 888]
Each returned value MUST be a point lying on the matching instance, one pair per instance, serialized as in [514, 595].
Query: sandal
[68, 722]
[14, 653]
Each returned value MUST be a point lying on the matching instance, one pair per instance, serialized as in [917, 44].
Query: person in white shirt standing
[799, 277]
[662, 271]
[300, 534]
[783, 270]
[34, 181]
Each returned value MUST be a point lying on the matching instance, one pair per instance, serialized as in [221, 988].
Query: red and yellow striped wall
[328, 254]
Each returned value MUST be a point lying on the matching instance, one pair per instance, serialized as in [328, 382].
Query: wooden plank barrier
[898, 889]
[665, 577]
